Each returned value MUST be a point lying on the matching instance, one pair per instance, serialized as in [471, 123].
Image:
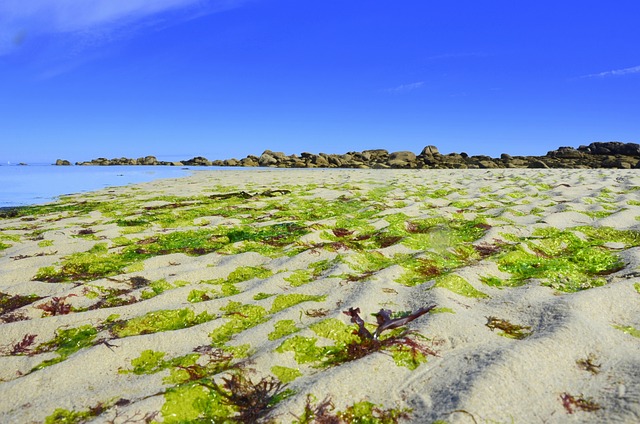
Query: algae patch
[459, 285]
[157, 321]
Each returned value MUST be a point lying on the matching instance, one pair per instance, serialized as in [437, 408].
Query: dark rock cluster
[611, 154]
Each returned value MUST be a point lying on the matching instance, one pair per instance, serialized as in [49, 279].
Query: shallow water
[35, 184]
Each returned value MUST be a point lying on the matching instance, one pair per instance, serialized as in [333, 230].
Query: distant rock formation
[612, 154]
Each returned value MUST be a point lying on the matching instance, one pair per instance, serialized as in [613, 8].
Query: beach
[281, 295]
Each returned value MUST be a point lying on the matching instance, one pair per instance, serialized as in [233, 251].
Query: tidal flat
[435, 296]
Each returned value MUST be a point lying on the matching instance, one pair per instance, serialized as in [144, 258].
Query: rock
[198, 161]
[62, 162]
[249, 161]
[612, 154]
[538, 164]
[429, 151]
[148, 160]
[267, 160]
[611, 148]
[566, 153]
[402, 159]
[487, 164]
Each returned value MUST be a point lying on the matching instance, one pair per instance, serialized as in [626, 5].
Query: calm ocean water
[34, 184]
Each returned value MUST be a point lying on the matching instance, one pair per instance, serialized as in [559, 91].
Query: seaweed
[240, 317]
[572, 403]
[285, 374]
[22, 347]
[157, 321]
[10, 303]
[628, 329]
[252, 400]
[65, 343]
[360, 412]
[588, 364]
[237, 399]
[458, 285]
[56, 306]
[512, 331]
[564, 261]
[352, 344]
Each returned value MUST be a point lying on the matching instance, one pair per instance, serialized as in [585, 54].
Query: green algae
[637, 287]
[45, 243]
[335, 330]
[194, 402]
[348, 346]
[285, 374]
[240, 317]
[601, 235]
[245, 273]
[261, 296]
[67, 342]
[160, 286]
[65, 416]
[299, 277]
[149, 362]
[283, 328]
[458, 285]
[363, 412]
[493, 281]
[285, 301]
[158, 321]
[237, 399]
[93, 264]
[370, 262]
[185, 368]
[442, 311]
[304, 349]
[562, 260]
[628, 329]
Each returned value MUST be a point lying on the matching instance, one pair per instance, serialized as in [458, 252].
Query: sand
[534, 275]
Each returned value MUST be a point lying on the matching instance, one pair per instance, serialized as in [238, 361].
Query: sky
[228, 78]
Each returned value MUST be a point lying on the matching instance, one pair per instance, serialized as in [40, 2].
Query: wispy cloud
[615, 73]
[22, 20]
[404, 88]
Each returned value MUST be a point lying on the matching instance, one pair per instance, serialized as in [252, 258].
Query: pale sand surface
[366, 239]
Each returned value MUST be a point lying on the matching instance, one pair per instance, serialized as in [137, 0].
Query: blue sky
[221, 79]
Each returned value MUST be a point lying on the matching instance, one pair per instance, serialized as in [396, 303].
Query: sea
[24, 185]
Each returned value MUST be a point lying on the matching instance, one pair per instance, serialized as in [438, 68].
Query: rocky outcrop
[611, 154]
[63, 162]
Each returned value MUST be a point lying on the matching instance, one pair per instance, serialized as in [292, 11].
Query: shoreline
[131, 300]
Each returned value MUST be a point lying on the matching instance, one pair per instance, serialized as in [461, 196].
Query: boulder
[63, 162]
[429, 151]
[266, 159]
[566, 153]
[402, 159]
[538, 164]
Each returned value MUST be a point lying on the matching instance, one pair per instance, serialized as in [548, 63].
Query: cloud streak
[404, 88]
[22, 20]
[615, 73]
